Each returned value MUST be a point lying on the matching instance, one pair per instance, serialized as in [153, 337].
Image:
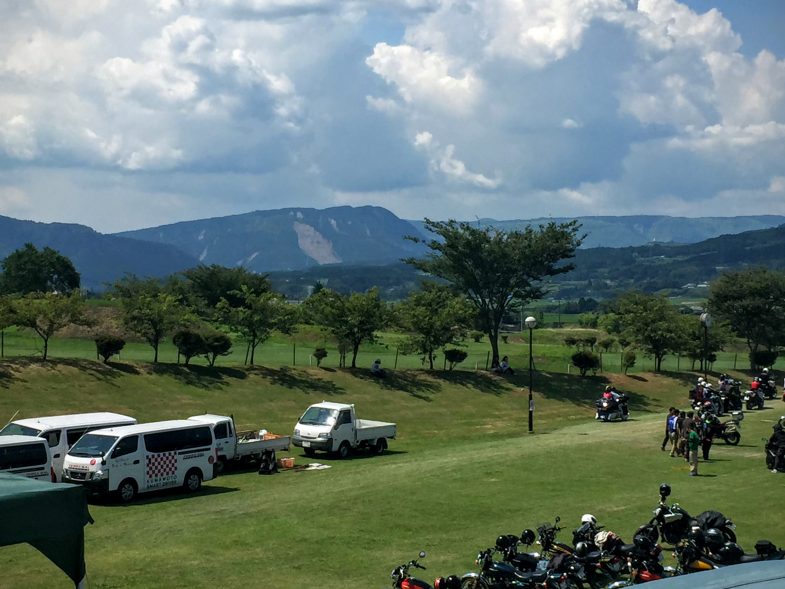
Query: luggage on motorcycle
[712, 519]
[765, 547]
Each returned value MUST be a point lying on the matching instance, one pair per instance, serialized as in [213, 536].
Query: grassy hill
[462, 470]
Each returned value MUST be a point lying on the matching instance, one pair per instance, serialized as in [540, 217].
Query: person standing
[684, 433]
[707, 433]
[667, 437]
[693, 443]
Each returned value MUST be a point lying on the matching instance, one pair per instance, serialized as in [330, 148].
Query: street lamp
[531, 323]
[706, 322]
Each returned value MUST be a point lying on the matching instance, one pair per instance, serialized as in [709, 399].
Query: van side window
[22, 455]
[221, 431]
[182, 439]
[73, 435]
[344, 417]
[125, 446]
[53, 438]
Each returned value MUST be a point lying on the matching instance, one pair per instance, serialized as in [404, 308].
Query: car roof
[146, 428]
[330, 405]
[768, 574]
[77, 419]
[16, 440]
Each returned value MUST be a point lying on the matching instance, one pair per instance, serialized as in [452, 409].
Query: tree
[28, 270]
[454, 356]
[435, 316]
[216, 344]
[351, 319]
[628, 360]
[652, 323]
[205, 286]
[189, 343]
[256, 315]
[107, 345]
[47, 313]
[701, 344]
[149, 310]
[495, 267]
[584, 361]
[320, 354]
[752, 301]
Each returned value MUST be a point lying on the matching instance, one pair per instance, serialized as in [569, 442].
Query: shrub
[108, 345]
[584, 361]
[477, 336]
[762, 358]
[606, 343]
[320, 354]
[189, 344]
[504, 339]
[570, 341]
[455, 356]
[216, 344]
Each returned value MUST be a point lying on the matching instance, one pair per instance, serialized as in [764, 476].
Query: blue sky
[121, 115]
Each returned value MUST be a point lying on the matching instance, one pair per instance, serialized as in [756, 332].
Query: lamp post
[706, 322]
[531, 323]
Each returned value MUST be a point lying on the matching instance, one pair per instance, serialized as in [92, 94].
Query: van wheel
[343, 450]
[127, 490]
[193, 480]
[380, 446]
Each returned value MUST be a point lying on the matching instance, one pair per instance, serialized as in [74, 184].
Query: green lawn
[462, 471]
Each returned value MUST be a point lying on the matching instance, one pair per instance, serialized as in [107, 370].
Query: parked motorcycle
[493, 574]
[771, 455]
[644, 559]
[769, 388]
[706, 550]
[401, 579]
[730, 394]
[753, 399]
[612, 409]
[727, 430]
[672, 523]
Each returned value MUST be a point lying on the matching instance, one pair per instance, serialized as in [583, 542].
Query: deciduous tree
[495, 267]
[29, 269]
[47, 313]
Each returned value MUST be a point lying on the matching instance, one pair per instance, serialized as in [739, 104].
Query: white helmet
[765, 371]
[588, 518]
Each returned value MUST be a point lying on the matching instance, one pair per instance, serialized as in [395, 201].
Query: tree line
[485, 273]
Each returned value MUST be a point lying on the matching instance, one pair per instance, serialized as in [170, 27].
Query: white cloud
[443, 160]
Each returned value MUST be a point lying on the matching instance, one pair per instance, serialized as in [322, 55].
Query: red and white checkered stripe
[161, 465]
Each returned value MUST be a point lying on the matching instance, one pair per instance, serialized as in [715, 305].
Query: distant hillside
[291, 239]
[99, 258]
[644, 229]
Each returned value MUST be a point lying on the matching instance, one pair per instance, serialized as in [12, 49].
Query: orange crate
[270, 436]
[286, 462]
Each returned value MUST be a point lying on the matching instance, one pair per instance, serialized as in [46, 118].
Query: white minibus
[27, 456]
[139, 458]
[62, 431]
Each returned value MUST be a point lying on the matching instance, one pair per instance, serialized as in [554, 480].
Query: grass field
[462, 471]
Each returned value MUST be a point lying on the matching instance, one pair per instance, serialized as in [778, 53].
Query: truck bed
[250, 443]
[372, 430]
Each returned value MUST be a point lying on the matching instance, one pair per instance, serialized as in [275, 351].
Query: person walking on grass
[684, 433]
[693, 443]
[674, 432]
[667, 437]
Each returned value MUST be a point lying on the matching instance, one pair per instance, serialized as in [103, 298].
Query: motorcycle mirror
[558, 519]
[422, 554]
[665, 490]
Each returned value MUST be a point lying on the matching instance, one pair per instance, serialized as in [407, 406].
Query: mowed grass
[462, 471]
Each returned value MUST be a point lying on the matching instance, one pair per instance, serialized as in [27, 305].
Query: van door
[125, 462]
[57, 448]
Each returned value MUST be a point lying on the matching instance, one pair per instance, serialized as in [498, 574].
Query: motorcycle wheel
[733, 438]
[749, 406]
[474, 582]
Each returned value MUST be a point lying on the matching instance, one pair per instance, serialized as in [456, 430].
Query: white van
[140, 458]
[62, 431]
[27, 456]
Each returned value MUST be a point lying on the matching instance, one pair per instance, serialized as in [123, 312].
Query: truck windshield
[92, 445]
[14, 429]
[319, 416]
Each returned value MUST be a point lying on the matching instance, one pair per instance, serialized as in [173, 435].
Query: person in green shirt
[693, 443]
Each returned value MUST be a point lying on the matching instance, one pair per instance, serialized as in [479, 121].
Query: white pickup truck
[246, 446]
[334, 427]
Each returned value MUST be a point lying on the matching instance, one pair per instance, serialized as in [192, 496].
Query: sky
[121, 115]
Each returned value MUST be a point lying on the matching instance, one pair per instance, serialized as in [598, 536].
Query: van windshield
[14, 429]
[319, 416]
[92, 445]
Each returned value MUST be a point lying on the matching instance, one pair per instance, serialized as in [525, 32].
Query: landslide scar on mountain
[314, 244]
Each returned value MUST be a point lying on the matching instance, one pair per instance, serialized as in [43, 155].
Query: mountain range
[302, 245]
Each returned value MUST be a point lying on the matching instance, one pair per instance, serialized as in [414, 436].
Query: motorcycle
[708, 550]
[727, 430]
[730, 394]
[711, 401]
[495, 574]
[644, 559]
[612, 409]
[672, 523]
[771, 454]
[401, 579]
[753, 399]
[769, 389]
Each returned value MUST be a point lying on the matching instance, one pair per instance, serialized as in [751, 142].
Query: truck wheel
[126, 491]
[219, 467]
[193, 480]
[343, 450]
[310, 452]
[380, 446]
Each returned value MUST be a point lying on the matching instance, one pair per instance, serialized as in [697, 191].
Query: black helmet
[581, 549]
[643, 542]
[503, 542]
[714, 538]
[452, 582]
[696, 535]
[665, 489]
[527, 536]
